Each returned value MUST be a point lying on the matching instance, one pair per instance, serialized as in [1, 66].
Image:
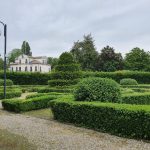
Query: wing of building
[30, 64]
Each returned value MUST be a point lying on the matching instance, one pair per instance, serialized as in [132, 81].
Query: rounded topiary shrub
[8, 82]
[98, 89]
[128, 81]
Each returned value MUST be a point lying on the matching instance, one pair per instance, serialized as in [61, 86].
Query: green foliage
[128, 81]
[66, 73]
[8, 82]
[27, 78]
[10, 94]
[14, 54]
[137, 98]
[137, 59]
[56, 89]
[25, 48]
[84, 52]
[66, 58]
[98, 89]
[120, 119]
[109, 60]
[18, 105]
[53, 62]
[1, 64]
[42, 94]
[140, 77]
[60, 82]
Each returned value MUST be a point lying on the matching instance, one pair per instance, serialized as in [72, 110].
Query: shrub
[140, 77]
[10, 94]
[54, 89]
[66, 73]
[137, 98]
[27, 78]
[120, 119]
[18, 105]
[98, 89]
[128, 81]
[8, 82]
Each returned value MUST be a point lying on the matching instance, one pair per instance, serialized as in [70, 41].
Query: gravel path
[52, 135]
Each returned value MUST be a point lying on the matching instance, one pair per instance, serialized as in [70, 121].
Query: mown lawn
[42, 113]
[9, 141]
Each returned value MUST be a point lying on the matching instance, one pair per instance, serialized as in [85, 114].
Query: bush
[18, 105]
[140, 77]
[120, 119]
[60, 82]
[54, 89]
[137, 98]
[128, 81]
[27, 78]
[66, 73]
[42, 94]
[8, 82]
[97, 89]
[10, 94]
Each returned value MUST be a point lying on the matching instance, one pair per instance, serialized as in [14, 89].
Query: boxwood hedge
[8, 82]
[19, 105]
[120, 119]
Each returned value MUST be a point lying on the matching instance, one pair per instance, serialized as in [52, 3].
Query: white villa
[30, 64]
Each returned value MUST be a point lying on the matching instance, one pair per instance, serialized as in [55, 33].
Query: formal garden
[117, 103]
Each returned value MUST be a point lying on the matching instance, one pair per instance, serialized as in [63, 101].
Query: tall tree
[52, 61]
[14, 54]
[137, 59]
[84, 52]
[26, 48]
[109, 60]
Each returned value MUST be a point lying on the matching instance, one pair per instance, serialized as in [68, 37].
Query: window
[26, 69]
[20, 61]
[43, 61]
[35, 68]
[19, 68]
[26, 61]
[16, 68]
[31, 69]
[40, 69]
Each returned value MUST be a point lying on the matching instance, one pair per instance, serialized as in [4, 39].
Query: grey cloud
[51, 26]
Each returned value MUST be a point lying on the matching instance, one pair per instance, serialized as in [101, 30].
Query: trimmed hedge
[27, 78]
[128, 81]
[138, 98]
[140, 77]
[19, 105]
[70, 67]
[120, 119]
[8, 82]
[59, 90]
[146, 86]
[59, 82]
[98, 89]
[10, 94]
[42, 94]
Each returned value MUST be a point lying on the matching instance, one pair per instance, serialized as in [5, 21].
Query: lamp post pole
[5, 44]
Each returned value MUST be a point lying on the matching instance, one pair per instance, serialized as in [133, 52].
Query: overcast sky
[51, 26]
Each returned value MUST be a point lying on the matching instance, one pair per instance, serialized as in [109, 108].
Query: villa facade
[25, 63]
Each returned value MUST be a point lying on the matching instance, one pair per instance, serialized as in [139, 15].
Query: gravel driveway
[52, 135]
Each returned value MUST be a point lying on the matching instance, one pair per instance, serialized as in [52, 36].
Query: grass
[10, 141]
[42, 113]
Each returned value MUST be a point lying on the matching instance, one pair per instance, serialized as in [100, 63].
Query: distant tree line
[84, 52]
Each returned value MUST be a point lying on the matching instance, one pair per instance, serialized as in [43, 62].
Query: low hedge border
[42, 94]
[18, 105]
[120, 119]
[10, 94]
[59, 90]
[146, 86]
[137, 98]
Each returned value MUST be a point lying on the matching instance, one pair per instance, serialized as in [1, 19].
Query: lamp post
[5, 44]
